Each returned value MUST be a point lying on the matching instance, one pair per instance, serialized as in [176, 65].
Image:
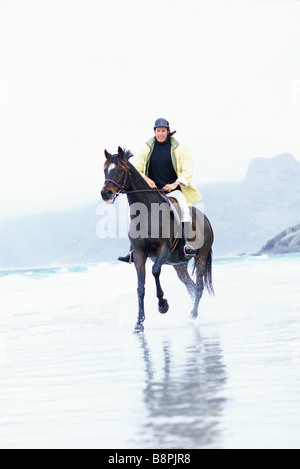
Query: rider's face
[161, 134]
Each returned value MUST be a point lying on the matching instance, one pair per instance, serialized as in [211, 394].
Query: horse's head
[116, 171]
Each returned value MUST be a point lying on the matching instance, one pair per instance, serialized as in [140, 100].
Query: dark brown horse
[152, 216]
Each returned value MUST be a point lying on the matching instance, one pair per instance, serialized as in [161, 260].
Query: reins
[122, 189]
[161, 191]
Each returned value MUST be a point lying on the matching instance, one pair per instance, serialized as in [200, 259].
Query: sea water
[73, 374]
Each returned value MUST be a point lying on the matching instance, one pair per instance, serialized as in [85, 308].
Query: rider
[166, 164]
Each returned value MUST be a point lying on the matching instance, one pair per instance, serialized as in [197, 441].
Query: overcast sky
[79, 76]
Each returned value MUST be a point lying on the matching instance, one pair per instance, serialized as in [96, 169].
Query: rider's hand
[150, 183]
[170, 187]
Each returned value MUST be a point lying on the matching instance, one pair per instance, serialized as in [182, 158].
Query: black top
[161, 169]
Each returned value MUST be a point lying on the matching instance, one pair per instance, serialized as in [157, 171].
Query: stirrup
[189, 251]
[128, 258]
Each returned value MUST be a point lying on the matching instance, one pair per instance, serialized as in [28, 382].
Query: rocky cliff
[288, 241]
[244, 215]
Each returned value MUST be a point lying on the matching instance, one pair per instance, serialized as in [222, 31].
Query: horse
[121, 177]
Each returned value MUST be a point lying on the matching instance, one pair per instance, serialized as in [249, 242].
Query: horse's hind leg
[185, 278]
[199, 285]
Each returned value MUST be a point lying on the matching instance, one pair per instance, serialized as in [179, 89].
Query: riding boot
[189, 251]
[128, 258]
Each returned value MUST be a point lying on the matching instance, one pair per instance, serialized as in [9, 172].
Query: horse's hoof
[194, 315]
[163, 308]
[139, 327]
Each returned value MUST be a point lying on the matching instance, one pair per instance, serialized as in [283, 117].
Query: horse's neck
[137, 180]
[143, 192]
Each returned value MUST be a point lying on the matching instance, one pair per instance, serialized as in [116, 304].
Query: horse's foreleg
[163, 306]
[140, 265]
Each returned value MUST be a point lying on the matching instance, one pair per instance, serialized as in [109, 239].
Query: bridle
[120, 186]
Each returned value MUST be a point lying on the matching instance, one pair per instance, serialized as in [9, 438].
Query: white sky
[78, 76]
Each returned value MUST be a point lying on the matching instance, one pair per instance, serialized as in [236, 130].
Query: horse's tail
[208, 281]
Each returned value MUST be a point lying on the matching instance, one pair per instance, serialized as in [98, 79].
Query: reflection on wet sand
[184, 380]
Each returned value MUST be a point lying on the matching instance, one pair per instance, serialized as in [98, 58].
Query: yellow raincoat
[183, 165]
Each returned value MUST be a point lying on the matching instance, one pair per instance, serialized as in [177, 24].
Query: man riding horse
[165, 164]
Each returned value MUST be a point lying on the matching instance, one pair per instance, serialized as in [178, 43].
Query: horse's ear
[120, 152]
[107, 155]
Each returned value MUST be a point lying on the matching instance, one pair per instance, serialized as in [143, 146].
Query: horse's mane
[128, 154]
[124, 162]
